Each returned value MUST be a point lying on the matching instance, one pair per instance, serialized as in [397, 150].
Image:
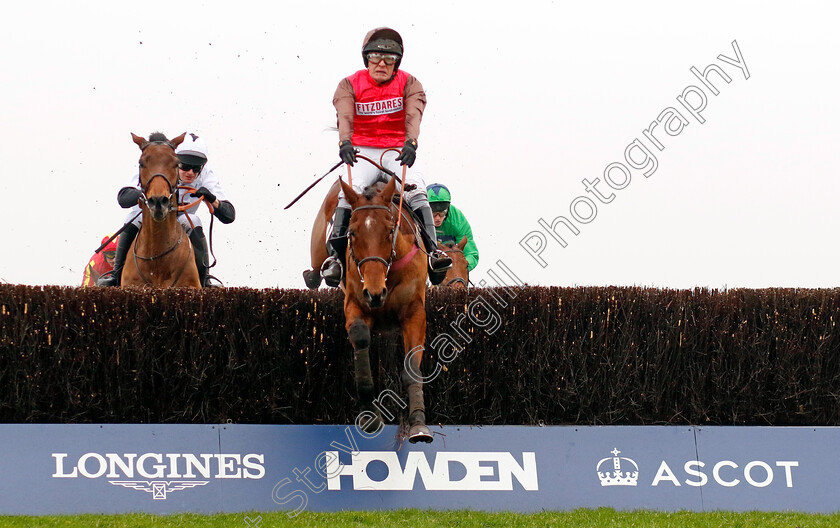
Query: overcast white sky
[525, 101]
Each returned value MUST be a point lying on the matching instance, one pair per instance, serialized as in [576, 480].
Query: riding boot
[202, 262]
[333, 268]
[438, 260]
[113, 278]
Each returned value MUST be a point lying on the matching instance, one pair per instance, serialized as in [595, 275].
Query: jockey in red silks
[379, 108]
[100, 263]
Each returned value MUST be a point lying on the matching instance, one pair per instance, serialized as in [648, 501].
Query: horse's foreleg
[414, 334]
[359, 333]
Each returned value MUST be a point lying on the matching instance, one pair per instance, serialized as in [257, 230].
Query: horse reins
[186, 207]
[394, 230]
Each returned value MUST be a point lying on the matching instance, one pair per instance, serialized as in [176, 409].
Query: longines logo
[159, 488]
[166, 472]
[623, 471]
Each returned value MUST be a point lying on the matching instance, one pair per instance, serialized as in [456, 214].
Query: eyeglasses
[377, 57]
[186, 168]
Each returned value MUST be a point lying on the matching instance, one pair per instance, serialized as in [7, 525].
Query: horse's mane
[157, 136]
[371, 191]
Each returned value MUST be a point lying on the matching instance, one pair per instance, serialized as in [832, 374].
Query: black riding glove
[409, 153]
[202, 191]
[347, 152]
[128, 196]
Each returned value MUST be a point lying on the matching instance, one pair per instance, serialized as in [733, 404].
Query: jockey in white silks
[193, 171]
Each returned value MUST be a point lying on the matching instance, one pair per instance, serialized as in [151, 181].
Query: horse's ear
[178, 140]
[139, 140]
[349, 194]
[389, 190]
[463, 243]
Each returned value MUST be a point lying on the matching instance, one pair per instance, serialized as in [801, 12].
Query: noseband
[456, 280]
[393, 255]
[145, 200]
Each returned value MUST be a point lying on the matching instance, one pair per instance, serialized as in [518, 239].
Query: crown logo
[619, 476]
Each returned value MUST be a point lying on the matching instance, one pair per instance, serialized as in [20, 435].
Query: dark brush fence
[494, 356]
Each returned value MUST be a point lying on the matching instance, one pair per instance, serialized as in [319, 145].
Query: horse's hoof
[312, 279]
[213, 282]
[420, 433]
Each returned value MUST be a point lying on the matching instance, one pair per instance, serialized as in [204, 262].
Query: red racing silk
[379, 119]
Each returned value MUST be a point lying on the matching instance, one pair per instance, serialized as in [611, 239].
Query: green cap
[438, 193]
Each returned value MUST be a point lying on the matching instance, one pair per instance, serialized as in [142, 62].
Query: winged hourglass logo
[159, 488]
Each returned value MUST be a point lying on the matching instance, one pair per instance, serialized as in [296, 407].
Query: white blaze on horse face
[369, 222]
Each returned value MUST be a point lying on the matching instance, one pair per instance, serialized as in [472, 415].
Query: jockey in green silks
[450, 223]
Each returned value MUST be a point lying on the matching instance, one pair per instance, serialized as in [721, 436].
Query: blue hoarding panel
[768, 468]
[232, 468]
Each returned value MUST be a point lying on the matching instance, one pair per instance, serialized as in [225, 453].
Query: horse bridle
[143, 196]
[456, 280]
[392, 234]
[144, 199]
[173, 200]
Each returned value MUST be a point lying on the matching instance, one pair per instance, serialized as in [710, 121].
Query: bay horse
[385, 283]
[161, 254]
[457, 276]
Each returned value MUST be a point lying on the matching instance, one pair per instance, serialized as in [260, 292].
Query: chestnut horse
[457, 276]
[161, 254]
[385, 282]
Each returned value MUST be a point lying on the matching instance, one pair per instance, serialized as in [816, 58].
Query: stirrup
[329, 265]
[441, 259]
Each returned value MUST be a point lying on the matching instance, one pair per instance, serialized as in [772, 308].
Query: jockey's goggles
[377, 57]
[110, 254]
[187, 167]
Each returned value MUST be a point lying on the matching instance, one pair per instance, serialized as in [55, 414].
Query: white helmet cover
[193, 150]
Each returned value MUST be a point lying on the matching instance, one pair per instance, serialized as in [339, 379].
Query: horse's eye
[350, 234]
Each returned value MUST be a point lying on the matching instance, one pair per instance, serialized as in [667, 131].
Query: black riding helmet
[383, 40]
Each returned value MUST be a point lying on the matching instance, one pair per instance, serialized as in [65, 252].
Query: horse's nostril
[375, 300]
[158, 202]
